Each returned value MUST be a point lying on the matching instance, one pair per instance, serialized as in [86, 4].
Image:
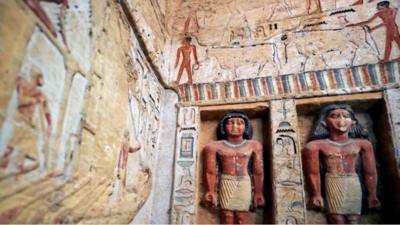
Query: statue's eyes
[346, 115]
[334, 115]
[238, 122]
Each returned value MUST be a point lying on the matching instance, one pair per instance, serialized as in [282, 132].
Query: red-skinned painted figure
[339, 141]
[234, 150]
[388, 17]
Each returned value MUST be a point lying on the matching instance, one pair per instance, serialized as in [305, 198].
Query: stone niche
[258, 113]
[372, 112]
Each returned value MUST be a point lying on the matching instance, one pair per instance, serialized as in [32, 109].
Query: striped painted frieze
[316, 83]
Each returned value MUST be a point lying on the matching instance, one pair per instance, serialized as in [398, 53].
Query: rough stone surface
[393, 104]
[163, 184]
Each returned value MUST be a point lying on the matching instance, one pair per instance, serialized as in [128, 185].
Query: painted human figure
[234, 150]
[30, 95]
[123, 159]
[388, 17]
[186, 50]
[339, 141]
[30, 98]
[317, 3]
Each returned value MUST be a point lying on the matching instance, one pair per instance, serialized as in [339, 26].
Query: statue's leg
[242, 217]
[336, 219]
[352, 219]
[227, 217]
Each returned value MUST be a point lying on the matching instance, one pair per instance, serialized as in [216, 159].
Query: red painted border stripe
[383, 74]
[349, 77]
[365, 74]
[332, 80]
[250, 86]
[278, 80]
[265, 86]
[236, 89]
[313, 78]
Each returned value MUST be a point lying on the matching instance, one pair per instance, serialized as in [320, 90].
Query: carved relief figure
[388, 17]
[31, 99]
[339, 140]
[30, 95]
[123, 160]
[234, 150]
[318, 5]
[186, 50]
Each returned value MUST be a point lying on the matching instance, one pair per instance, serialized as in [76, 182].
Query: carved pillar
[287, 172]
[392, 97]
[183, 209]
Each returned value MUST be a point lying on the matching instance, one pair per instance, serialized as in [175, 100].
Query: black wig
[221, 132]
[321, 132]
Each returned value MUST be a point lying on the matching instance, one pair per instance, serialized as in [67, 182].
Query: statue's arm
[210, 174]
[312, 174]
[258, 174]
[369, 172]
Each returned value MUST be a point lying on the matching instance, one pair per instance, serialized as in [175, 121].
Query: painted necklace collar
[227, 143]
[340, 144]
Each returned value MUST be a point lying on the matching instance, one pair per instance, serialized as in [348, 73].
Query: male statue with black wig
[339, 141]
[234, 150]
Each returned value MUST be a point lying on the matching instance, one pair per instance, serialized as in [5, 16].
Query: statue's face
[339, 120]
[235, 126]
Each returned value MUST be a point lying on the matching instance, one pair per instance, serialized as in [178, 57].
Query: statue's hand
[258, 200]
[210, 198]
[373, 202]
[316, 202]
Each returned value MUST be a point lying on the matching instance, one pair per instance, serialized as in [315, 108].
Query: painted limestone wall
[237, 40]
[80, 112]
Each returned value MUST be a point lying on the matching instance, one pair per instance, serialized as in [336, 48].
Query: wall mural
[70, 22]
[60, 160]
[33, 110]
[233, 42]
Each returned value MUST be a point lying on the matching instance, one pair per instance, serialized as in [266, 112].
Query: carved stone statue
[339, 141]
[234, 150]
